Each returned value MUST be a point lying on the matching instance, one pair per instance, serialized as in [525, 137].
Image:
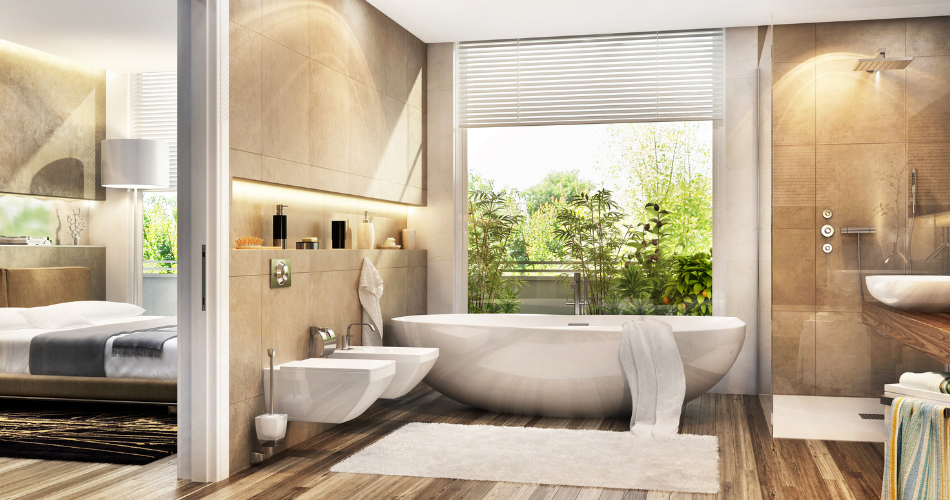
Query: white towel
[654, 371]
[370, 290]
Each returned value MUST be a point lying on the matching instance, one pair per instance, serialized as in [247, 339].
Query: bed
[44, 359]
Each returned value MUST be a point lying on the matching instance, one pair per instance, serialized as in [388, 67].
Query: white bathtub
[557, 366]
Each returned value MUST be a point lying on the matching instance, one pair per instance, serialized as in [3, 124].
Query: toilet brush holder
[271, 428]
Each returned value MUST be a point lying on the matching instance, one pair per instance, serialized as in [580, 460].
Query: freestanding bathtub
[557, 366]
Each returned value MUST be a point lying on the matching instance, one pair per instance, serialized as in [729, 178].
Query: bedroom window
[575, 148]
[154, 115]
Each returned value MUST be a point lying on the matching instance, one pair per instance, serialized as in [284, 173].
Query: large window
[590, 164]
[154, 115]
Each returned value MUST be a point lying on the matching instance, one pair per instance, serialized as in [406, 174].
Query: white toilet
[329, 391]
[412, 364]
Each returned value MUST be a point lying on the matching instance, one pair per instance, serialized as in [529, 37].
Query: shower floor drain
[872, 416]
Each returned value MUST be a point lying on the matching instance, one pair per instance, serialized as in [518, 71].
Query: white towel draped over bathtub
[651, 362]
[370, 290]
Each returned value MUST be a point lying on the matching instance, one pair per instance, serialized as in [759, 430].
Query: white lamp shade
[135, 163]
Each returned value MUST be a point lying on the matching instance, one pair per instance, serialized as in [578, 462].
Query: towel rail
[886, 401]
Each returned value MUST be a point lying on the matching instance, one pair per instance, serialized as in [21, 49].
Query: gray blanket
[82, 352]
[144, 344]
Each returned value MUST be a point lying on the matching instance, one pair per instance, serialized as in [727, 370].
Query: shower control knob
[826, 213]
[826, 248]
[827, 231]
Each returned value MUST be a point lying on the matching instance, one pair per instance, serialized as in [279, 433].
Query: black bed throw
[82, 352]
[146, 344]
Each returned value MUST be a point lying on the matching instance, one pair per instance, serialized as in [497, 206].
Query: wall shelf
[929, 333]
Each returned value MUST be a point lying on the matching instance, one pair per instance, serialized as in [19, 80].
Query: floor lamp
[134, 164]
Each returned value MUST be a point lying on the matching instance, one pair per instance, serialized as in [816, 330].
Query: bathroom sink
[912, 293]
[412, 364]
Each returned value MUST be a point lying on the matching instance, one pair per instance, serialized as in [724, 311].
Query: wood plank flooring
[753, 465]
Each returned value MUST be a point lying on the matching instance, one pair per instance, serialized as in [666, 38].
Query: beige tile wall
[327, 95]
[323, 293]
[847, 140]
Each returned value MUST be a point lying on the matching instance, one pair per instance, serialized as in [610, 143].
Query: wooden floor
[753, 465]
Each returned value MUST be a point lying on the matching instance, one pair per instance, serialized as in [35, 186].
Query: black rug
[86, 432]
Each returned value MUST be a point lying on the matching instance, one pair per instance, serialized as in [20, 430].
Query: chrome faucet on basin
[346, 338]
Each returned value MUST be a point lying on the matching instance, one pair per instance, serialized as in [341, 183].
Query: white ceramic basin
[912, 293]
[412, 364]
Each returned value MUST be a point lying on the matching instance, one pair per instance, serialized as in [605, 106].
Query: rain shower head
[882, 63]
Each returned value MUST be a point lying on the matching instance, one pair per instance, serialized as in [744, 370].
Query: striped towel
[927, 381]
[917, 452]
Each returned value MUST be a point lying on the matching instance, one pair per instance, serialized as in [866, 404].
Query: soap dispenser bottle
[366, 235]
[280, 227]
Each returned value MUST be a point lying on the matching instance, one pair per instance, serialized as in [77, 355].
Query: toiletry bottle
[280, 227]
[367, 234]
[338, 239]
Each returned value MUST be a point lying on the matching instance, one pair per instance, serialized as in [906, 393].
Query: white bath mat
[601, 459]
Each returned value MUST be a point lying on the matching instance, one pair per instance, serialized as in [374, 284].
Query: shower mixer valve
[827, 231]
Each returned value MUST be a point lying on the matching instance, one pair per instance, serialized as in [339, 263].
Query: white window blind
[637, 77]
[154, 109]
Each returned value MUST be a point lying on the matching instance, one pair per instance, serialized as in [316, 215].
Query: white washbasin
[912, 293]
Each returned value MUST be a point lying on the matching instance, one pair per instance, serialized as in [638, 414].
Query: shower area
[860, 134]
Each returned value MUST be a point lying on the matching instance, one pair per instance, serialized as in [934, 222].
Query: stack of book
[25, 240]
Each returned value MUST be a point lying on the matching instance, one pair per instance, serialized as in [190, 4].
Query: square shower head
[882, 63]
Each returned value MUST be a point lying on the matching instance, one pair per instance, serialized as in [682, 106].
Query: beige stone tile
[793, 42]
[793, 268]
[244, 165]
[247, 218]
[332, 260]
[299, 259]
[332, 181]
[395, 301]
[332, 41]
[244, 309]
[928, 99]
[285, 322]
[793, 353]
[286, 103]
[417, 148]
[416, 72]
[857, 106]
[440, 66]
[394, 141]
[243, 437]
[287, 22]
[388, 57]
[417, 258]
[245, 89]
[793, 187]
[365, 128]
[288, 173]
[245, 263]
[247, 13]
[335, 303]
[859, 39]
[931, 160]
[298, 432]
[793, 103]
[385, 259]
[416, 291]
[330, 120]
[928, 36]
[851, 358]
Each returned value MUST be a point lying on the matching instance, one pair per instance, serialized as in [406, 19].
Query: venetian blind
[636, 77]
[154, 110]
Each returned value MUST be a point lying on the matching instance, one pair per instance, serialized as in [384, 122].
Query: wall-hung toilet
[330, 391]
[412, 364]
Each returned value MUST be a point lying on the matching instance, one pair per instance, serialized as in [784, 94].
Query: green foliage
[649, 241]
[160, 231]
[493, 220]
[589, 227]
[671, 164]
[25, 216]
[690, 290]
[554, 188]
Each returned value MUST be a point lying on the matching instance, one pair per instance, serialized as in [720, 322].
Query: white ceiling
[125, 36]
[459, 20]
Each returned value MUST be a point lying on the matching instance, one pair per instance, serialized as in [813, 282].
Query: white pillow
[98, 310]
[11, 319]
[54, 317]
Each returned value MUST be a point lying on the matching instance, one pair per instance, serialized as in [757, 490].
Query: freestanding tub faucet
[346, 338]
[579, 289]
